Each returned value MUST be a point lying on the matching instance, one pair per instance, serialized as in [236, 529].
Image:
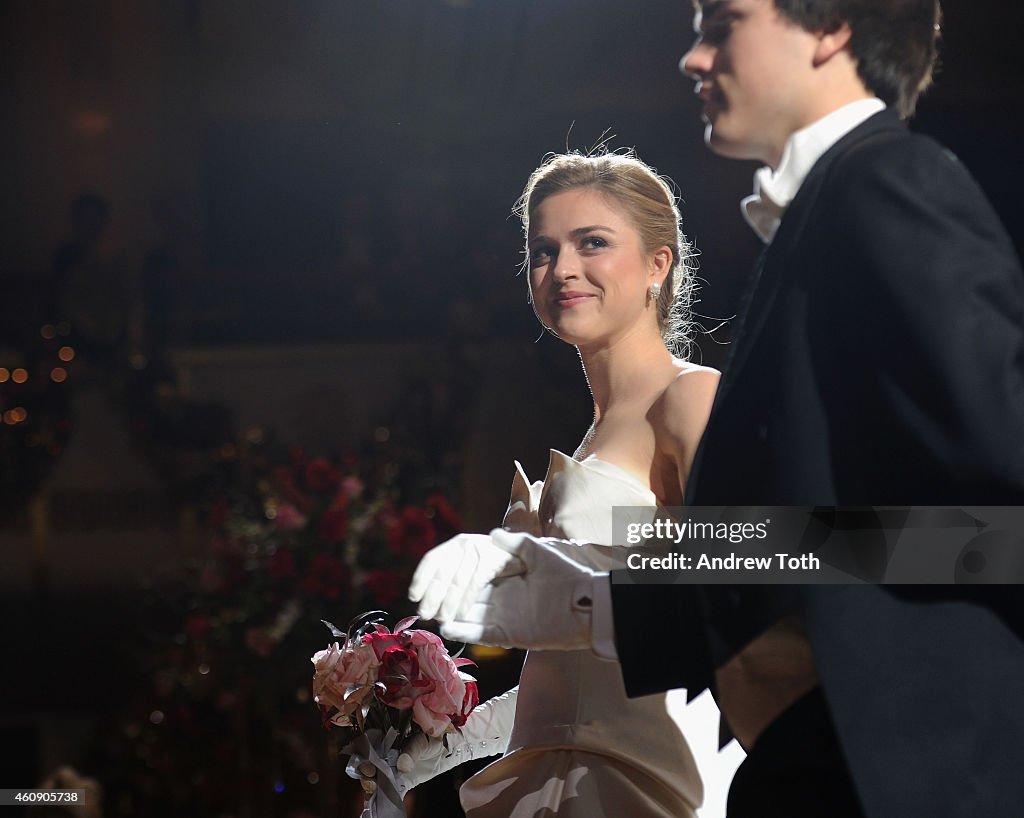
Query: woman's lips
[567, 300]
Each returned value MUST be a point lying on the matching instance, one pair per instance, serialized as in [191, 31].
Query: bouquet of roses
[386, 687]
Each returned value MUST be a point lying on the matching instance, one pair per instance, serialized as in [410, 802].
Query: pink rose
[328, 691]
[352, 486]
[359, 665]
[337, 671]
[437, 708]
[405, 669]
[289, 518]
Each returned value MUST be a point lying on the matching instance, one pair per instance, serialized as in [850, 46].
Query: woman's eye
[594, 242]
[540, 254]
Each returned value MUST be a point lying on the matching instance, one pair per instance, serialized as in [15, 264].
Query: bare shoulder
[682, 410]
[693, 387]
[679, 416]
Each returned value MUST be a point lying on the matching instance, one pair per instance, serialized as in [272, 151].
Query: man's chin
[718, 143]
[722, 145]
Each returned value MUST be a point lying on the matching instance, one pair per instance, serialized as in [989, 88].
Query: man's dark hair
[895, 42]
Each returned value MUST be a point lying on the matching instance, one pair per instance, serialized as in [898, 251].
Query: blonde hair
[650, 204]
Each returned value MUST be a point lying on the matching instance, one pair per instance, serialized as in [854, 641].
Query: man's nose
[696, 62]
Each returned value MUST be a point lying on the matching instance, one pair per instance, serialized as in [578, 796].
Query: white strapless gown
[580, 748]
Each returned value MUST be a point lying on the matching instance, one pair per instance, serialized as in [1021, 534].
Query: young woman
[608, 273]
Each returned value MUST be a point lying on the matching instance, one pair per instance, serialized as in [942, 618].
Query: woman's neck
[630, 367]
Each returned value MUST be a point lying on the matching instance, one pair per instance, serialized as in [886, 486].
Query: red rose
[326, 576]
[386, 587]
[334, 524]
[290, 491]
[398, 661]
[446, 519]
[226, 547]
[400, 683]
[469, 701]
[281, 564]
[211, 579]
[196, 627]
[218, 514]
[413, 534]
[349, 460]
[322, 476]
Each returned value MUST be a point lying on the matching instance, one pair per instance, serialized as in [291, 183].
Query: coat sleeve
[928, 340]
[670, 636]
[661, 636]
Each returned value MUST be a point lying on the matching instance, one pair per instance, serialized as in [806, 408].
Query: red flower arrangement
[305, 534]
[385, 687]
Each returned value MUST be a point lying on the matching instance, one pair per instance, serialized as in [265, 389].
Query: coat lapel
[777, 260]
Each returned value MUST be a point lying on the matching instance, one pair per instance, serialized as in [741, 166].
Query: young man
[879, 361]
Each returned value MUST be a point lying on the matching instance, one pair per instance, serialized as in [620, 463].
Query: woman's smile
[572, 298]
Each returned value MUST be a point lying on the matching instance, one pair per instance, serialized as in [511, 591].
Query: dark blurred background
[262, 339]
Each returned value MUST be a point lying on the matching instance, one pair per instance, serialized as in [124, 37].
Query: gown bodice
[574, 699]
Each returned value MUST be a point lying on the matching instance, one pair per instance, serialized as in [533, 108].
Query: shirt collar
[774, 190]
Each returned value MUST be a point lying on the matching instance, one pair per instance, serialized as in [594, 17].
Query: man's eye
[718, 32]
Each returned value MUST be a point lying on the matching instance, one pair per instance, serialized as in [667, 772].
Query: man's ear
[831, 43]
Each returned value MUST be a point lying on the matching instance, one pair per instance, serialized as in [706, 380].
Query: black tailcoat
[881, 362]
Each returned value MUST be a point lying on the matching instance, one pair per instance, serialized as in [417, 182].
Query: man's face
[753, 69]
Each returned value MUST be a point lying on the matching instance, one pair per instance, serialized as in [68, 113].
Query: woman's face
[589, 273]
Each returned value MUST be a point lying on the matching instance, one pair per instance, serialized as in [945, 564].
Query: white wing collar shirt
[774, 190]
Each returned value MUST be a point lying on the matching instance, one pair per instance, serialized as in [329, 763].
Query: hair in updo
[648, 201]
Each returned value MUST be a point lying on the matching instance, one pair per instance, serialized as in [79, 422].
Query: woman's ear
[661, 264]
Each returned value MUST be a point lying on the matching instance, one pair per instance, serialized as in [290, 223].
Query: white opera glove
[485, 733]
[546, 606]
[456, 570]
